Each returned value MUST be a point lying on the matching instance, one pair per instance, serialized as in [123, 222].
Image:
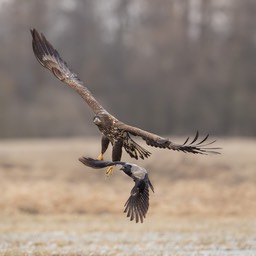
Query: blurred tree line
[168, 66]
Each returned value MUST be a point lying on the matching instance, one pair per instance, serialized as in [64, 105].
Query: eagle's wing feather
[49, 58]
[196, 147]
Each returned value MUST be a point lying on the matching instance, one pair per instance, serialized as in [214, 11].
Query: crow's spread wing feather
[98, 164]
[137, 204]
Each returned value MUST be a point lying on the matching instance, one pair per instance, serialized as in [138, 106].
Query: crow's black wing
[137, 204]
[98, 164]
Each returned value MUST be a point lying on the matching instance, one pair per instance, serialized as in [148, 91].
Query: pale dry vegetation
[52, 204]
[45, 176]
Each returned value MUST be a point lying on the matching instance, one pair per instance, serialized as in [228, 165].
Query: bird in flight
[137, 204]
[113, 131]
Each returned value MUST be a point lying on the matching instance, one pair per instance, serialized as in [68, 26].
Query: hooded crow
[137, 204]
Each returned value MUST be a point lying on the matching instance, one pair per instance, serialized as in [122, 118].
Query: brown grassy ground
[52, 204]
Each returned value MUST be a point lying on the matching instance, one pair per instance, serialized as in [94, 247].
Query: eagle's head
[97, 120]
[102, 120]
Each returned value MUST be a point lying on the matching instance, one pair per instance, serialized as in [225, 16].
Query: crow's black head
[127, 168]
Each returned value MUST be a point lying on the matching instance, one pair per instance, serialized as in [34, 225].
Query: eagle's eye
[97, 120]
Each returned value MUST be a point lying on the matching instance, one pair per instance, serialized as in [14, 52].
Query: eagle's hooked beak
[96, 120]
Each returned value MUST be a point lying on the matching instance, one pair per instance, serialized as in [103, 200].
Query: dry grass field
[53, 205]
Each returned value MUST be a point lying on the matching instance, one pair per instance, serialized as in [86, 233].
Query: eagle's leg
[100, 157]
[104, 146]
[110, 170]
[116, 155]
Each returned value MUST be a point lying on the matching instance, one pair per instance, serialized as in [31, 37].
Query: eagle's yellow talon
[100, 157]
[110, 171]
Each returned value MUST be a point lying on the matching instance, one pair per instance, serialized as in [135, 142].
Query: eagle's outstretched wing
[195, 146]
[49, 58]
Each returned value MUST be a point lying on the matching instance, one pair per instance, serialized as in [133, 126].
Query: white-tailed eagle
[113, 131]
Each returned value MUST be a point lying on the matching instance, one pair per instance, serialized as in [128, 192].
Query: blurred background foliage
[168, 66]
